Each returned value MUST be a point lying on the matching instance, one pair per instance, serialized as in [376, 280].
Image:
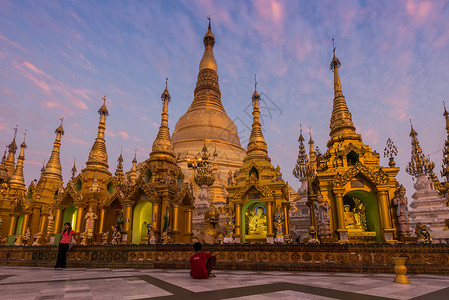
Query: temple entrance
[70, 214]
[361, 215]
[142, 216]
[254, 229]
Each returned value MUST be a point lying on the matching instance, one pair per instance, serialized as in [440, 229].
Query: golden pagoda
[87, 190]
[259, 194]
[350, 195]
[159, 197]
[15, 205]
[207, 121]
[42, 195]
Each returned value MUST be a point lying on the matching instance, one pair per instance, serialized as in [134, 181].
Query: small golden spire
[133, 172]
[162, 145]
[119, 175]
[43, 166]
[54, 168]
[256, 143]
[300, 170]
[17, 177]
[74, 168]
[341, 119]
[419, 163]
[98, 156]
[12, 148]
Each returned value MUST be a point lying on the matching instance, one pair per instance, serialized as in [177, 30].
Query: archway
[143, 214]
[19, 224]
[254, 217]
[70, 214]
[369, 203]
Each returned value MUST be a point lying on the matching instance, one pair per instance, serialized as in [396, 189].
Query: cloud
[123, 134]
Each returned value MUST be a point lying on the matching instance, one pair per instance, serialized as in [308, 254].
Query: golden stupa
[206, 122]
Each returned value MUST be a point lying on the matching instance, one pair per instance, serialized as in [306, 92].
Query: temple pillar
[35, 219]
[156, 214]
[341, 227]
[58, 221]
[127, 236]
[12, 225]
[79, 220]
[42, 224]
[287, 221]
[238, 222]
[384, 214]
[164, 206]
[101, 221]
[188, 226]
[270, 235]
[175, 224]
[26, 219]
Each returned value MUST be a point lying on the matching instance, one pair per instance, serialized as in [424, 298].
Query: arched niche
[370, 204]
[143, 213]
[254, 222]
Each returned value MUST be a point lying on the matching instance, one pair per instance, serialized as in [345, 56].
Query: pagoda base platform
[304, 257]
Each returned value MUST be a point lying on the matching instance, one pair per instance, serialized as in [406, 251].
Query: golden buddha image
[355, 214]
[257, 221]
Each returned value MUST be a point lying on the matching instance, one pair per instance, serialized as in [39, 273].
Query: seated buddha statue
[258, 222]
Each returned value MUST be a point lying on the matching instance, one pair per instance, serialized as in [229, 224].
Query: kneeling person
[201, 263]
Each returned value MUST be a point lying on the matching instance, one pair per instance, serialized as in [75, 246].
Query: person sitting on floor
[201, 263]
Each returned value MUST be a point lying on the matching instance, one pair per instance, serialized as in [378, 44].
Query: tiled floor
[44, 283]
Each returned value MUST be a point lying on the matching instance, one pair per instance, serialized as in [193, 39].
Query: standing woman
[64, 246]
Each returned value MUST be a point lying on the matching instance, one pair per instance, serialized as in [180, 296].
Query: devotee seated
[201, 263]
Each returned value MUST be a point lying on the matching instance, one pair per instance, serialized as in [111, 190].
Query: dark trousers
[62, 255]
[210, 264]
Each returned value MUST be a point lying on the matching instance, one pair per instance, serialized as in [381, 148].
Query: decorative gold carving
[378, 178]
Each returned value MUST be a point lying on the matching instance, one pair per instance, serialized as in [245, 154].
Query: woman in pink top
[64, 246]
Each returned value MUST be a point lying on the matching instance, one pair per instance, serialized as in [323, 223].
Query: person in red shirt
[201, 263]
[64, 246]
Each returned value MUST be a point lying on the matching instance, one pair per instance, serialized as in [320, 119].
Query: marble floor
[78, 283]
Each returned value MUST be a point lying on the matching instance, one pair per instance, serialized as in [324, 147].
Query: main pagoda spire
[341, 119]
[162, 146]
[256, 143]
[98, 157]
[17, 176]
[207, 94]
[53, 168]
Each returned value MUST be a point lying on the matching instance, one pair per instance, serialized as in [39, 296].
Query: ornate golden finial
[166, 95]
[98, 156]
[341, 120]
[203, 175]
[74, 168]
[24, 145]
[162, 146]
[135, 157]
[419, 163]
[43, 166]
[256, 141]
[300, 170]
[391, 151]
[103, 110]
[208, 60]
